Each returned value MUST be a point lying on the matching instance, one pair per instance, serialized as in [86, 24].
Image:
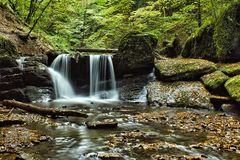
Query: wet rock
[135, 54]
[33, 94]
[233, 88]
[215, 81]
[179, 157]
[17, 94]
[7, 61]
[37, 76]
[178, 94]
[183, 69]
[110, 156]
[102, 124]
[130, 88]
[11, 81]
[231, 69]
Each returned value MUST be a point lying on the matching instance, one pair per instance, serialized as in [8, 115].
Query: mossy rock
[171, 49]
[7, 48]
[183, 69]
[178, 94]
[233, 87]
[232, 69]
[200, 44]
[227, 34]
[219, 41]
[214, 80]
[135, 54]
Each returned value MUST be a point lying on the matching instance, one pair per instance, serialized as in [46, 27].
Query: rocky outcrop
[178, 94]
[219, 41]
[30, 83]
[233, 88]
[183, 69]
[215, 81]
[200, 44]
[135, 54]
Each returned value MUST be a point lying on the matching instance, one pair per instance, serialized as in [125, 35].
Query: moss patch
[183, 69]
[233, 87]
[214, 80]
[7, 48]
[232, 69]
[200, 44]
[227, 31]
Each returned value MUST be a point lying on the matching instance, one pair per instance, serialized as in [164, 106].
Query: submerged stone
[233, 87]
[178, 94]
[110, 156]
[183, 69]
[214, 80]
[102, 124]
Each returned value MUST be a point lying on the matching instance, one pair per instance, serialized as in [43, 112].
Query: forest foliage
[102, 23]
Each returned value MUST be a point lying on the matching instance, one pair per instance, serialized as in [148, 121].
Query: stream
[72, 140]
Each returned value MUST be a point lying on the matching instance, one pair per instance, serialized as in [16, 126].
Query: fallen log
[4, 123]
[42, 111]
[97, 50]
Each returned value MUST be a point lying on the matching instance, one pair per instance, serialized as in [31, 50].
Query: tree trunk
[199, 16]
[98, 50]
[42, 111]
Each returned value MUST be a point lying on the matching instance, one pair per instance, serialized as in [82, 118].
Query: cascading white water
[99, 82]
[59, 71]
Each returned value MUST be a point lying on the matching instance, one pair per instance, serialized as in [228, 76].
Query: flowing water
[72, 140]
[102, 79]
[99, 66]
[59, 72]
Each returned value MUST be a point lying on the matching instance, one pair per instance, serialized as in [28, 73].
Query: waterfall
[102, 77]
[59, 71]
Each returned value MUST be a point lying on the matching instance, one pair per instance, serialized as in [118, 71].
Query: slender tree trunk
[35, 23]
[199, 16]
[31, 11]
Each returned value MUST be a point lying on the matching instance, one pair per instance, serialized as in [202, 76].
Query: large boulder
[178, 94]
[183, 69]
[233, 87]
[230, 69]
[218, 41]
[135, 54]
[215, 81]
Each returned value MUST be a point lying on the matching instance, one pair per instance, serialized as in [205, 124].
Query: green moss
[214, 80]
[200, 44]
[183, 69]
[226, 30]
[7, 48]
[233, 87]
[232, 69]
